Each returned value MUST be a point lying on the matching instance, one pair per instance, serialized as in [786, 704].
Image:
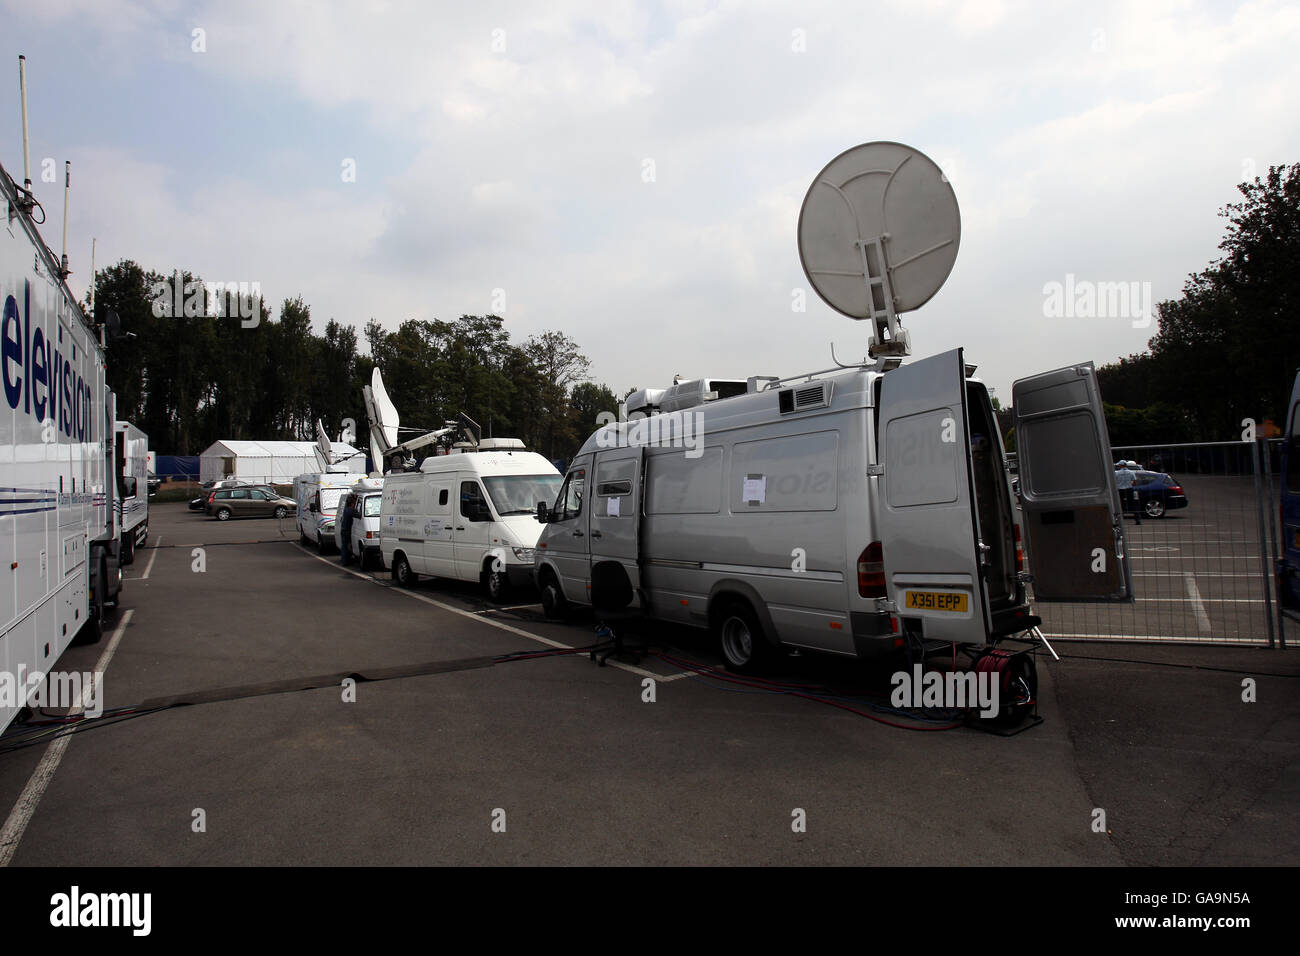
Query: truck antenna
[64, 271]
[27, 156]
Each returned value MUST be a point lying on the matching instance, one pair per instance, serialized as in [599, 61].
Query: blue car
[1158, 493]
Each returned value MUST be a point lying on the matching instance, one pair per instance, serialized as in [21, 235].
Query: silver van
[843, 511]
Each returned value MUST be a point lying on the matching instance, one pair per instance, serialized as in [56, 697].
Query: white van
[363, 539]
[470, 516]
[317, 495]
[844, 512]
[132, 458]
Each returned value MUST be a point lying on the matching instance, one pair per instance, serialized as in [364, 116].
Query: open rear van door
[1072, 519]
[927, 515]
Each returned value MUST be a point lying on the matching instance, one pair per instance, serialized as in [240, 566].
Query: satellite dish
[383, 411]
[324, 446]
[878, 235]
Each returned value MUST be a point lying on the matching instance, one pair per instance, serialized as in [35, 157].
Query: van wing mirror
[543, 513]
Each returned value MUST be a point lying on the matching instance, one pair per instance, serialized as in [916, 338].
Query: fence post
[1265, 555]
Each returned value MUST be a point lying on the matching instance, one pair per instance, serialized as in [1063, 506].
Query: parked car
[205, 491]
[1157, 493]
[154, 483]
[248, 502]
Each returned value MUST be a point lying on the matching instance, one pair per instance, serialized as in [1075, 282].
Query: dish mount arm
[888, 336]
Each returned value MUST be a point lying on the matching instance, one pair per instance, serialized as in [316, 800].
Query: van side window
[472, 504]
[442, 497]
[569, 502]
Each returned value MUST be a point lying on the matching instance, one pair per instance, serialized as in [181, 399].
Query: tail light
[1020, 550]
[871, 571]
[1176, 489]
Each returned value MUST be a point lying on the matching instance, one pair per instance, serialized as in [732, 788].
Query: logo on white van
[666, 430]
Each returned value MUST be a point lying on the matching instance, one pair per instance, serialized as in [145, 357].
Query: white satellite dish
[878, 235]
[324, 447]
[382, 411]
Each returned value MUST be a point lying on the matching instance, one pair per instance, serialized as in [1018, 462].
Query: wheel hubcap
[736, 641]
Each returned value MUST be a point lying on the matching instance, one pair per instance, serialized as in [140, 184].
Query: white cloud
[522, 158]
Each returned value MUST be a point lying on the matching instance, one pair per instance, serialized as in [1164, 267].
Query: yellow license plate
[936, 601]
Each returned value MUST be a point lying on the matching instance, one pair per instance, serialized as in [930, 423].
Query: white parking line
[660, 678]
[30, 798]
[149, 567]
[1198, 607]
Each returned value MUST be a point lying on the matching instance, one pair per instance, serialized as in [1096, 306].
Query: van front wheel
[402, 572]
[496, 584]
[554, 605]
[744, 648]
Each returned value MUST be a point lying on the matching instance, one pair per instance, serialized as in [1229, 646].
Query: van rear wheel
[744, 648]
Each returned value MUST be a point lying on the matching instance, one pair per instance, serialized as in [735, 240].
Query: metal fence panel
[1201, 573]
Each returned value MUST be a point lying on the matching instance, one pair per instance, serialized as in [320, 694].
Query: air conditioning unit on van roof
[701, 390]
[645, 400]
[501, 444]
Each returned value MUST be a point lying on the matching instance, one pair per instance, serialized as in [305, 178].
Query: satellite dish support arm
[888, 336]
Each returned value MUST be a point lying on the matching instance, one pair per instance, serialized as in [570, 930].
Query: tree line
[1228, 348]
[193, 370]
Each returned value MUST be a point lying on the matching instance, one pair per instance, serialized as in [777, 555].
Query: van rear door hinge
[875, 470]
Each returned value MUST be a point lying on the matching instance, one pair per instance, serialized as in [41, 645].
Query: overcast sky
[631, 173]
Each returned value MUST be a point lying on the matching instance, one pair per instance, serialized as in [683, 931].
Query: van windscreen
[519, 494]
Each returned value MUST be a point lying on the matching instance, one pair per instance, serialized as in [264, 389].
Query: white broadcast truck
[468, 516]
[131, 452]
[58, 533]
[318, 495]
[859, 509]
[362, 541]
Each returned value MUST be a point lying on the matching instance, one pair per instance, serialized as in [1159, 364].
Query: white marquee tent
[274, 462]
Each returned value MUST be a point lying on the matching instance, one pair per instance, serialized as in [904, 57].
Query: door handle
[595, 534]
[577, 534]
[460, 527]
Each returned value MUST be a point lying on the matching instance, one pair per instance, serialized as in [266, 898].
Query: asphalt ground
[580, 768]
